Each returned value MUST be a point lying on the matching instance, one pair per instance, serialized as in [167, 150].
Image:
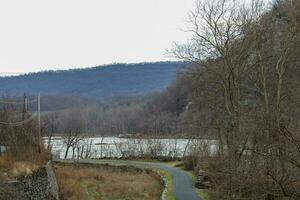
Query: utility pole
[39, 113]
[39, 123]
[25, 108]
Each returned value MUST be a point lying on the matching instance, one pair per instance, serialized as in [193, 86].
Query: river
[115, 147]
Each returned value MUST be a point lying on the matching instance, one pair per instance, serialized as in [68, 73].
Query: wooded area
[244, 81]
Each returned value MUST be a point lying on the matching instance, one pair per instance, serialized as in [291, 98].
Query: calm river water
[115, 147]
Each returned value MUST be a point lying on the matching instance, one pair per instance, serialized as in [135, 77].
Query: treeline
[98, 82]
[170, 113]
[127, 116]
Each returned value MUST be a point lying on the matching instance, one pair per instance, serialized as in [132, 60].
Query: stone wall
[165, 188]
[41, 185]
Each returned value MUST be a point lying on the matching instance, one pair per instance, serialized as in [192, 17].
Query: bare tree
[51, 124]
[74, 127]
[244, 65]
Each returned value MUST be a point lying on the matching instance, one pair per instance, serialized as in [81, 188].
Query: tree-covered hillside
[98, 82]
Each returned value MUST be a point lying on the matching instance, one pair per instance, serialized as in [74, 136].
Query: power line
[24, 121]
[20, 123]
[17, 103]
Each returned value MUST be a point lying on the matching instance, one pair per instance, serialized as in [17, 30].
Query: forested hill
[97, 82]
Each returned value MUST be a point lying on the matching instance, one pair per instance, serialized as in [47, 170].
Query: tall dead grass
[11, 167]
[79, 183]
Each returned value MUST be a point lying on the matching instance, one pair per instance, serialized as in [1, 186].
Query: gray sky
[60, 34]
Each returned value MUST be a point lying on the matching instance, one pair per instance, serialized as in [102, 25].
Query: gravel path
[183, 183]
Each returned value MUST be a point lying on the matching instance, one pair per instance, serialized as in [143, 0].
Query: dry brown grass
[107, 183]
[10, 167]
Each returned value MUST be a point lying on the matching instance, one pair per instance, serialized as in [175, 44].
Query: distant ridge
[96, 82]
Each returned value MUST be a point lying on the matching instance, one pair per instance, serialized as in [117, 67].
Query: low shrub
[188, 163]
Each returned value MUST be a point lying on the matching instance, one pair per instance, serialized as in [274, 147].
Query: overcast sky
[61, 34]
